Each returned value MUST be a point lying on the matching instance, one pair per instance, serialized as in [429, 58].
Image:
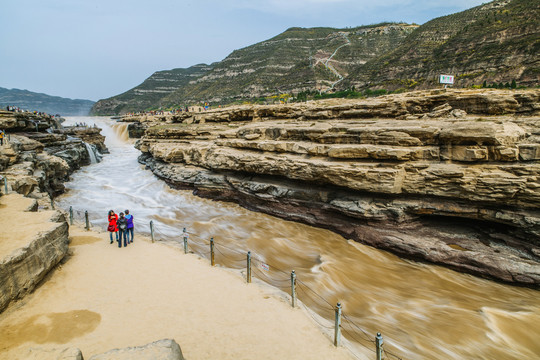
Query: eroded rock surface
[165, 349]
[54, 354]
[441, 176]
[37, 164]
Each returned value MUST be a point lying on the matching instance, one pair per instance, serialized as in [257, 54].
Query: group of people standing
[122, 226]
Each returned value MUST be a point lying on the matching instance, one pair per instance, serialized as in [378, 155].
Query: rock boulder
[165, 349]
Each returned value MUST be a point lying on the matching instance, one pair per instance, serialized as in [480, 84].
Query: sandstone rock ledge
[415, 174]
[31, 244]
[166, 349]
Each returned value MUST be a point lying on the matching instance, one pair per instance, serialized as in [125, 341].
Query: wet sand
[104, 297]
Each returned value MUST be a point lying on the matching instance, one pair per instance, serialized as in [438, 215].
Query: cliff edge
[445, 176]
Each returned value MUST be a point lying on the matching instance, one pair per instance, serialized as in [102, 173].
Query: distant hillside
[296, 60]
[495, 42]
[32, 101]
[151, 91]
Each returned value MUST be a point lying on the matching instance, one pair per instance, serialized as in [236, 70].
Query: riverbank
[104, 297]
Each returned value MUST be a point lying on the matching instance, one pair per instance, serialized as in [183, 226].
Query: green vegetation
[343, 94]
[500, 85]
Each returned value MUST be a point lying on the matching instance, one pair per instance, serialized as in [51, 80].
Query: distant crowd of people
[122, 226]
[37, 113]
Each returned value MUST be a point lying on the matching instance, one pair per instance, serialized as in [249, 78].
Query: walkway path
[105, 297]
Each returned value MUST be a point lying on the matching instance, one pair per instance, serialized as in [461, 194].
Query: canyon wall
[446, 176]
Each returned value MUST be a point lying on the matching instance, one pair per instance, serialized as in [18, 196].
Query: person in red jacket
[112, 228]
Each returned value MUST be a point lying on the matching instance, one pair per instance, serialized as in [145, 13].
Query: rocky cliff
[443, 176]
[37, 163]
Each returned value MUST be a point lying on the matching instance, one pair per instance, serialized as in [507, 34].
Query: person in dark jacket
[122, 230]
[129, 219]
[112, 228]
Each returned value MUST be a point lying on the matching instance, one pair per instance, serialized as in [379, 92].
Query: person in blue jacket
[129, 219]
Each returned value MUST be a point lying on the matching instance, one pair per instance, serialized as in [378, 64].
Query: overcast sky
[94, 49]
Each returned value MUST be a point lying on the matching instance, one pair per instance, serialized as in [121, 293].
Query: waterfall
[91, 153]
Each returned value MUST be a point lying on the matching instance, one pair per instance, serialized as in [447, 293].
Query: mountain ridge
[493, 43]
[274, 66]
[41, 102]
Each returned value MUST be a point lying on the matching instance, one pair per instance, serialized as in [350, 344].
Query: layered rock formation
[37, 163]
[449, 177]
[26, 121]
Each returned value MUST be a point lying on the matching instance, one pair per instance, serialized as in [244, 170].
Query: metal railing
[343, 324]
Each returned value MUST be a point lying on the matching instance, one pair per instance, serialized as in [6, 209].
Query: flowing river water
[423, 311]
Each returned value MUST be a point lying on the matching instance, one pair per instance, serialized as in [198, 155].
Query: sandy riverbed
[104, 297]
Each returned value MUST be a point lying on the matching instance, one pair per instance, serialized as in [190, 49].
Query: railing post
[86, 218]
[5, 185]
[71, 215]
[293, 289]
[52, 203]
[152, 230]
[212, 261]
[379, 346]
[248, 274]
[185, 241]
[337, 328]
